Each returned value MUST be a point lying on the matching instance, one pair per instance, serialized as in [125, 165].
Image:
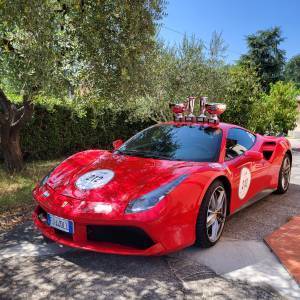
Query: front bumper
[80, 240]
[161, 229]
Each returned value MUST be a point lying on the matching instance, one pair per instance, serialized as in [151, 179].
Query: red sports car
[170, 186]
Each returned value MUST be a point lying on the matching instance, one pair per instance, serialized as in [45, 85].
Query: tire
[284, 175]
[208, 232]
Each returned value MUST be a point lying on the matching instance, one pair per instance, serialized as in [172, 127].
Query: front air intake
[129, 236]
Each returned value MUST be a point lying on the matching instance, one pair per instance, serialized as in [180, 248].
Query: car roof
[220, 125]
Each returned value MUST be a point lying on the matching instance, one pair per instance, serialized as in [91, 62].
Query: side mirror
[117, 144]
[254, 155]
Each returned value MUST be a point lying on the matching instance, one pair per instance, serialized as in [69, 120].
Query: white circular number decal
[244, 185]
[94, 179]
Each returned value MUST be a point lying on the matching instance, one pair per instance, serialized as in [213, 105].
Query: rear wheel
[284, 175]
[212, 215]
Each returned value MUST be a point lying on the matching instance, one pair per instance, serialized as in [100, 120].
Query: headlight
[151, 199]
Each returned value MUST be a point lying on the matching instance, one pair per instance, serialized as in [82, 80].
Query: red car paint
[171, 223]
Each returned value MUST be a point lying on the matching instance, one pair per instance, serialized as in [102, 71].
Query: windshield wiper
[153, 155]
[147, 155]
[159, 156]
[139, 153]
[127, 152]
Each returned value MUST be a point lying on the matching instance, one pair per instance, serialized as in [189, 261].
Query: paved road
[32, 269]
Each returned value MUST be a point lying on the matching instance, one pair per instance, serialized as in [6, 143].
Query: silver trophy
[202, 103]
[190, 109]
[215, 110]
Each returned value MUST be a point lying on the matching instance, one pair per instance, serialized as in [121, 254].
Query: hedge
[60, 131]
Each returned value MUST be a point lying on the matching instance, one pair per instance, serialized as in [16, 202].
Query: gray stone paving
[95, 276]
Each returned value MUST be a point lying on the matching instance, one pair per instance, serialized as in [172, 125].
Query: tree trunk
[11, 149]
[12, 119]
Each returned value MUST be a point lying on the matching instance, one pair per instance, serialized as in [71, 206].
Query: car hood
[132, 176]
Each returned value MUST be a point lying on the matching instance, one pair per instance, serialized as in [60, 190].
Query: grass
[16, 202]
[15, 190]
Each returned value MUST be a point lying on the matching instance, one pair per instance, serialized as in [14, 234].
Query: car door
[248, 175]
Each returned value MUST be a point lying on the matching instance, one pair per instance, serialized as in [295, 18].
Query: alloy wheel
[286, 173]
[216, 214]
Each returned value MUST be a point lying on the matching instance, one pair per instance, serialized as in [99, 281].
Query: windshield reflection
[172, 142]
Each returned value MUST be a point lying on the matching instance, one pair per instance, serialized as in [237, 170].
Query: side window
[237, 142]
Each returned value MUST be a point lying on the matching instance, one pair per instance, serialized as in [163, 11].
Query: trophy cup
[190, 108]
[215, 109]
[202, 117]
[178, 110]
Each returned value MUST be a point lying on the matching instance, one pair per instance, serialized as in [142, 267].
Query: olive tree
[242, 95]
[82, 49]
[174, 73]
[29, 63]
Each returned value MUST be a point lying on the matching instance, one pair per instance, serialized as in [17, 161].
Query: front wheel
[212, 215]
[284, 175]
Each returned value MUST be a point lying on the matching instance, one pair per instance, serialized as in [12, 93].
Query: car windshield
[175, 142]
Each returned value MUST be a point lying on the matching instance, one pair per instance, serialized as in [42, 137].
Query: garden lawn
[16, 201]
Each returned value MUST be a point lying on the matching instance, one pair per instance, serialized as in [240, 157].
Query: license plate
[60, 223]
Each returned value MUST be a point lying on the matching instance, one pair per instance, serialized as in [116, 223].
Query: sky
[235, 19]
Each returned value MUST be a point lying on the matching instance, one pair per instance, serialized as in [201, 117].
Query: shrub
[59, 130]
[277, 111]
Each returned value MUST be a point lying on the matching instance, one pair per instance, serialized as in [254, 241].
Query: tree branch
[81, 3]
[19, 112]
[25, 113]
